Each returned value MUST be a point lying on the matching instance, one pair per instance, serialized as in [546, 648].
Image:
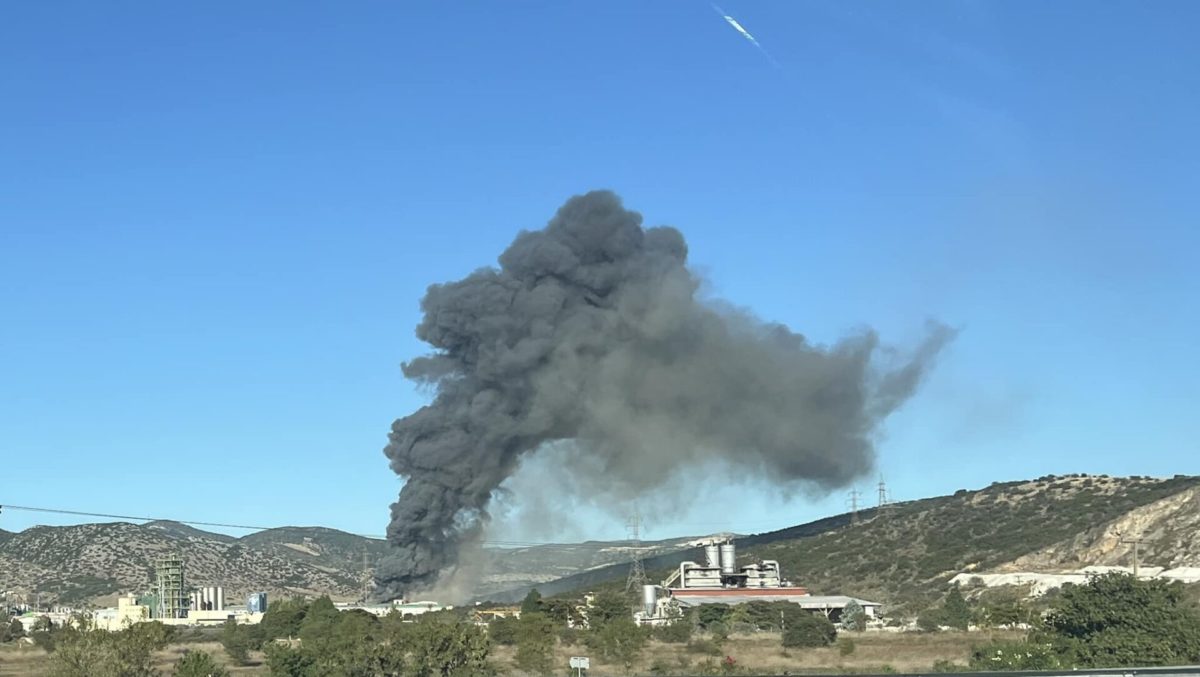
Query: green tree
[955, 612]
[503, 630]
[236, 641]
[10, 628]
[561, 611]
[532, 603]
[319, 622]
[46, 635]
[708, 614]
[448, 649]
[289, 661]
[809, 630]
[97, 653]
[854, 617]
[678, 631]
[606, 607]
[620, 638]
[199, 664]
[535, 643]
[1116, 620]
[284, 618]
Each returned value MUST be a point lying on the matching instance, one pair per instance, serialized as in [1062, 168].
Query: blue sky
[217, 219]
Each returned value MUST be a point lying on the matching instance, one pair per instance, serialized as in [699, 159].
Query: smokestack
[592, 331]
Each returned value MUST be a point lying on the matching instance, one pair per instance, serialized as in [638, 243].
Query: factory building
[719, 580]
[172, 601]
[256, 603]
[208, 599]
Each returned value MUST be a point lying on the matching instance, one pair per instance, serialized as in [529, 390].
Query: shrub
[676, 632]
[236, 642]
[704, 646]
[503, 631]
[845, 646]
[199, 664]
[535, 643]
[809, 630]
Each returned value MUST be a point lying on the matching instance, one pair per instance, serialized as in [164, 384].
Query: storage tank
[220, 599]
[649, 599]
[712, 557]
[728, 559]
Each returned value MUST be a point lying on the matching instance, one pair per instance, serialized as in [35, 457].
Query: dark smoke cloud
[592, 331]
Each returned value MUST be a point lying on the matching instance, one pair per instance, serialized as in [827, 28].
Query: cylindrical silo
[728, 559]
[220, 605]
[712, 557]
[649, 599]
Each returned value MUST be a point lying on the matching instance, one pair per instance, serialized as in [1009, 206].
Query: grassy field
[763, 653]
[28, 660]
[758, 653]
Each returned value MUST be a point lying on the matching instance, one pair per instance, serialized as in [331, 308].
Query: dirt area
[763, 653]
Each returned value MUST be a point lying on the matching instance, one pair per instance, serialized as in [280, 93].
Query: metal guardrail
[1171, 671]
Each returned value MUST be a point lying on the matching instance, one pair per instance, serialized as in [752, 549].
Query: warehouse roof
[805, 601]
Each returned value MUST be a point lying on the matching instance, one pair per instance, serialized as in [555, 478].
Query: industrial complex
[719, 580]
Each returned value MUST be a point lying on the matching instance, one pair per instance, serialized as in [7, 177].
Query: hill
[902, 556]
[95, 562]
[905, 555]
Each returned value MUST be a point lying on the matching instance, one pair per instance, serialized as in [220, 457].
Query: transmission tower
[885, 499]
[637, 572]
[852, 499]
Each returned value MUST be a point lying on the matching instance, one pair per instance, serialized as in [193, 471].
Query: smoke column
[591, 331]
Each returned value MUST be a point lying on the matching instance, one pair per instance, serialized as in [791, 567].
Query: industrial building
[719, 580]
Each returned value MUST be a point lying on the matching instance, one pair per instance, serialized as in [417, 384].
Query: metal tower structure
[852, 499]
[637, 572]
[366, 574]
[172, 597]
[885, 499]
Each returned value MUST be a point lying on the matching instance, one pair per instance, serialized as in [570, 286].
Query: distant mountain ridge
[92, 563]
[902, 556]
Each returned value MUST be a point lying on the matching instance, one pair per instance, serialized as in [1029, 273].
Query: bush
[503, 631]
[1020, 655]
[199, 664]
[535, 643]
[236, 642]
[676, 632]
[809, 630]
[704, 646]
[845, 646]
[854, 617]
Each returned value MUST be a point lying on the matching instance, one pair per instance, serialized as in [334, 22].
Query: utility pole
[366, 574]
[637, 573]
[1136, 543]
[855, 494]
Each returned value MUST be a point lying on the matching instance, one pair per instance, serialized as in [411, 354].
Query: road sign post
[579, 664]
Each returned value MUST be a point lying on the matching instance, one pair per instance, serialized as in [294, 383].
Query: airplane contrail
[745, 34]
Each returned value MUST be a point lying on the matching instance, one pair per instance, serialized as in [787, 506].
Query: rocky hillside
[95, 562]
[905, 555]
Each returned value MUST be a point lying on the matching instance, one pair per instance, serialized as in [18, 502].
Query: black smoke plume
[592, 330]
